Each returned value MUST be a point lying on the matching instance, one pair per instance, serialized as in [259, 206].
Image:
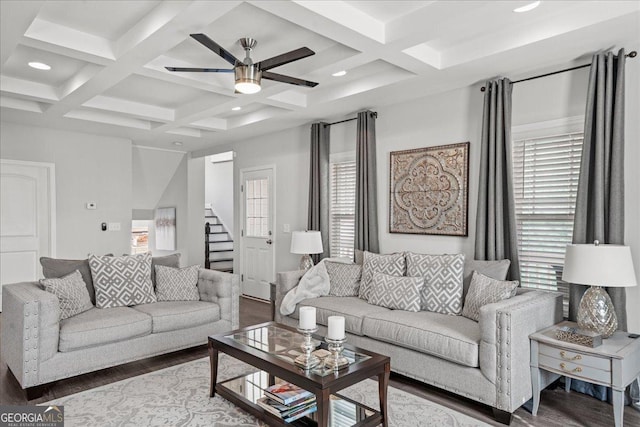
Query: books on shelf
[287, 393]
[288, 412]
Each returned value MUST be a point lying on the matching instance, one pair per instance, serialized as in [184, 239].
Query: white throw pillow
[72, 294]
[485, 290]
[122, 281]
[177, 284]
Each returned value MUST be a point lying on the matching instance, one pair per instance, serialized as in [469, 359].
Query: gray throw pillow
[442, 292]
[122, 281]
[344, 279]
[72, 294]
[172, 260]
[392, 265]
[177, 284]
[497, 269]
[53, 268]
[396, 293]
[485, 290]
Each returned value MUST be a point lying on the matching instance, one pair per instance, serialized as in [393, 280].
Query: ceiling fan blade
[287, 79]
[215, 47]
[285, 58]
[201, 70]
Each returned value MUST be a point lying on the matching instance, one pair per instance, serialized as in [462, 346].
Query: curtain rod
[631, 54]
[375, 114]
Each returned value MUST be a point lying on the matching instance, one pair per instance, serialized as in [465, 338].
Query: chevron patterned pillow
[344, 279]
[177, 284]
[72, 293]
[443, 274]
[485, 290]
[392, 265]
[396, 293]
[122, 281]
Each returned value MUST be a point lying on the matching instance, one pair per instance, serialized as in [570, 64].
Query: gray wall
[88, 168]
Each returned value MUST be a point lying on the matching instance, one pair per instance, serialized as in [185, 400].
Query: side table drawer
[577, 358]
[575, 370]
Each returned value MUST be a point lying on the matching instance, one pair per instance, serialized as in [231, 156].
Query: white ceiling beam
[136, 109]
[28, 88]
[107, 118]
[20, 104]
[13, 24]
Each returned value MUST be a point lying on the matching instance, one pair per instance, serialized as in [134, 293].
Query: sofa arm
[30, 329]
[505, 327]
[223, 289]
[285, 281]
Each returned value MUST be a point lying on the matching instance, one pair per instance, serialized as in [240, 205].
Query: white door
[257, 261]
[27, 219]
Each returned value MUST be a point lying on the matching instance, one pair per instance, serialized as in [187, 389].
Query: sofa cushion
[122, 281]
[396, 293]
[173, 315]
[393, 265]
[454, 338]
[72, 294]
[344, 279]
[177, 284]
[497, 269]
[102, 326]
[485, 290]
[442, 291]
[353, 309]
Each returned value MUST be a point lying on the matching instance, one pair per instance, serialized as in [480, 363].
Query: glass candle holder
[335, 360]
[307, 360]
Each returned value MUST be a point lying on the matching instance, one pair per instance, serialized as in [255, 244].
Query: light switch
[286, 228]
[114, 226]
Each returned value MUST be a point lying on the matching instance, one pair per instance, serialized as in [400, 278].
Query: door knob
[269, 241]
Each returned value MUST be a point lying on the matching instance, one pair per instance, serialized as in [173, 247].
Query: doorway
[257, 243]
[27, 219]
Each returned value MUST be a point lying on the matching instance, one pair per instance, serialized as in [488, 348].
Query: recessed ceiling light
[527, 7]
[339, 73]
[39, 65]
[236, 109]
[177, 143]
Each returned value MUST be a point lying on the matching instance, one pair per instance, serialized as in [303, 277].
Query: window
[342, 208]
[139, 237]
[546, 172]
[257, 207]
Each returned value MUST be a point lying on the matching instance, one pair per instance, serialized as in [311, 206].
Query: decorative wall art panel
[166, 229]
[429, 190]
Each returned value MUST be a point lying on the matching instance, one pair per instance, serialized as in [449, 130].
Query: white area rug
[179, 396]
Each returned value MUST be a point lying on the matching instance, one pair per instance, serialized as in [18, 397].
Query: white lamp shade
[600, 265]
[306, 242]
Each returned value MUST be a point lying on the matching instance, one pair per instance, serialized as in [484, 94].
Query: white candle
[307, 318]
[336, 328]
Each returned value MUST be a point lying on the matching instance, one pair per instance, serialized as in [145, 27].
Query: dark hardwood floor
[557, 408]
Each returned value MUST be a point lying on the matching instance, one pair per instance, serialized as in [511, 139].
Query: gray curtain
[319, 186]
[496, 233]
[366, 233]
[600, 200]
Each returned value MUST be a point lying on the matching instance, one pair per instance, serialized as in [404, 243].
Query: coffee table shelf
[271, 348]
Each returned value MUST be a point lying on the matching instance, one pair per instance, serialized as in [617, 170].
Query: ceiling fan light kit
[248, 76]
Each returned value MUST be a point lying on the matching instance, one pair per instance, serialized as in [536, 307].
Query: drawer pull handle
[564, 368]
[563, 354]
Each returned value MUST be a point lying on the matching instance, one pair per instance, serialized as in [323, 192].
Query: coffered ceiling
[107, 59]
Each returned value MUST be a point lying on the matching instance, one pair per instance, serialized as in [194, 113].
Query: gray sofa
[487, 361]
[39, 348]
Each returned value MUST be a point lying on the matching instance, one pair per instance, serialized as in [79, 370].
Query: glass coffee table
[272, 348]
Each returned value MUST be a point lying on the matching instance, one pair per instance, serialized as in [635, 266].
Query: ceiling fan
[247, 73]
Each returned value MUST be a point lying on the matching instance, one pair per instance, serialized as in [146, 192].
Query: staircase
[218, 243]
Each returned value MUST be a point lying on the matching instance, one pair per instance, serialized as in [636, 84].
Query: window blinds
[342, 208]
[546, 172]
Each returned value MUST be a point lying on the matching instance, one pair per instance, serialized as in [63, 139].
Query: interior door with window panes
[257, 258]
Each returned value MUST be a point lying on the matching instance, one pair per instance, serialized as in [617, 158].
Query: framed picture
[429, 190]
[165, 223]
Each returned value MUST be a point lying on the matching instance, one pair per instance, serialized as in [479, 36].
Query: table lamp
[598, 265]
[305, 243]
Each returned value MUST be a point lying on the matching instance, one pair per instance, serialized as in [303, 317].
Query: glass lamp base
[306, 262]
[596, 312]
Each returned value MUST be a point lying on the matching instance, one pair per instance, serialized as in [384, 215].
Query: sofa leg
[503, 417]
[35, 392]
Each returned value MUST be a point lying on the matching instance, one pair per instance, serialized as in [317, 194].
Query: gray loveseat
[487, 361]
[39, 348]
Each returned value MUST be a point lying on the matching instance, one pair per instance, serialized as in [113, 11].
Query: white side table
[615, 364]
